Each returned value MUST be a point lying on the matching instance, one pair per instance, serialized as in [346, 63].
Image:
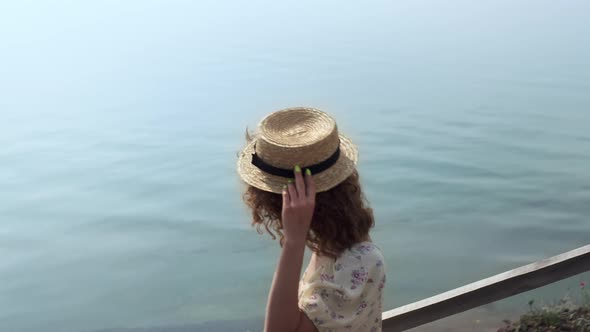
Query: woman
[304, 187]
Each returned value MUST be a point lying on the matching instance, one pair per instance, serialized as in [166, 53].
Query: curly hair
[341, 218]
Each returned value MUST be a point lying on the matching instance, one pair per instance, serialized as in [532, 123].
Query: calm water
[120, 123]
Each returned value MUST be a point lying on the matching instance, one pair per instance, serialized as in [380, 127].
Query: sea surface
[120, 123]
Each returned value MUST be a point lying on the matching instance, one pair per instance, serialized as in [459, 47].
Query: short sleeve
[346, 295]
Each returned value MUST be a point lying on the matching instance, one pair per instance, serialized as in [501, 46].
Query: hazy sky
[62, 54]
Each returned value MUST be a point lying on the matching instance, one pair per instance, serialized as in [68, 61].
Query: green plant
[565, 314]
[549, 318]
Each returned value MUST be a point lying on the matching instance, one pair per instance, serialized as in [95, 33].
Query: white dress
[344, 294]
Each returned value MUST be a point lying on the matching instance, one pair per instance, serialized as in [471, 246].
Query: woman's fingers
[286, 198]
[299, 182]
[304, 187]
[292, 192]
[309, 185]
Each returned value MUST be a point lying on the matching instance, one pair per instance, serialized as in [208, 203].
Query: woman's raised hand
[298, 207]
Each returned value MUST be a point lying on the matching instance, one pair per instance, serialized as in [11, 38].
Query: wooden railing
[488, 290]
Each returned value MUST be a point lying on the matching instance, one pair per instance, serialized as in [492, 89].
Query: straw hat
[297, 136]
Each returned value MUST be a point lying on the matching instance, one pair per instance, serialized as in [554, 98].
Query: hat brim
[324, 181]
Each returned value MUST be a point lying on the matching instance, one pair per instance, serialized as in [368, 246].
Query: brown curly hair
[341, 218]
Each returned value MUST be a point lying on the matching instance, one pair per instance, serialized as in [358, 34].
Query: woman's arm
[282, 312]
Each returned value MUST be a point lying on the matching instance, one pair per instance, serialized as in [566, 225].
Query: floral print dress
[344, 294]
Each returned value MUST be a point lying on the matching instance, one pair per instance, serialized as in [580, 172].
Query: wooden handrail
[488, 290]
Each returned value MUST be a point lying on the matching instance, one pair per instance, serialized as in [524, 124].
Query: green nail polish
[297, 169]
[290, 181]
[284, 187]
[308, 171]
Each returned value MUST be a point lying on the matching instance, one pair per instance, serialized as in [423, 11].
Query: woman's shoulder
[361, 256]
[365, 255]
[365, 250]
